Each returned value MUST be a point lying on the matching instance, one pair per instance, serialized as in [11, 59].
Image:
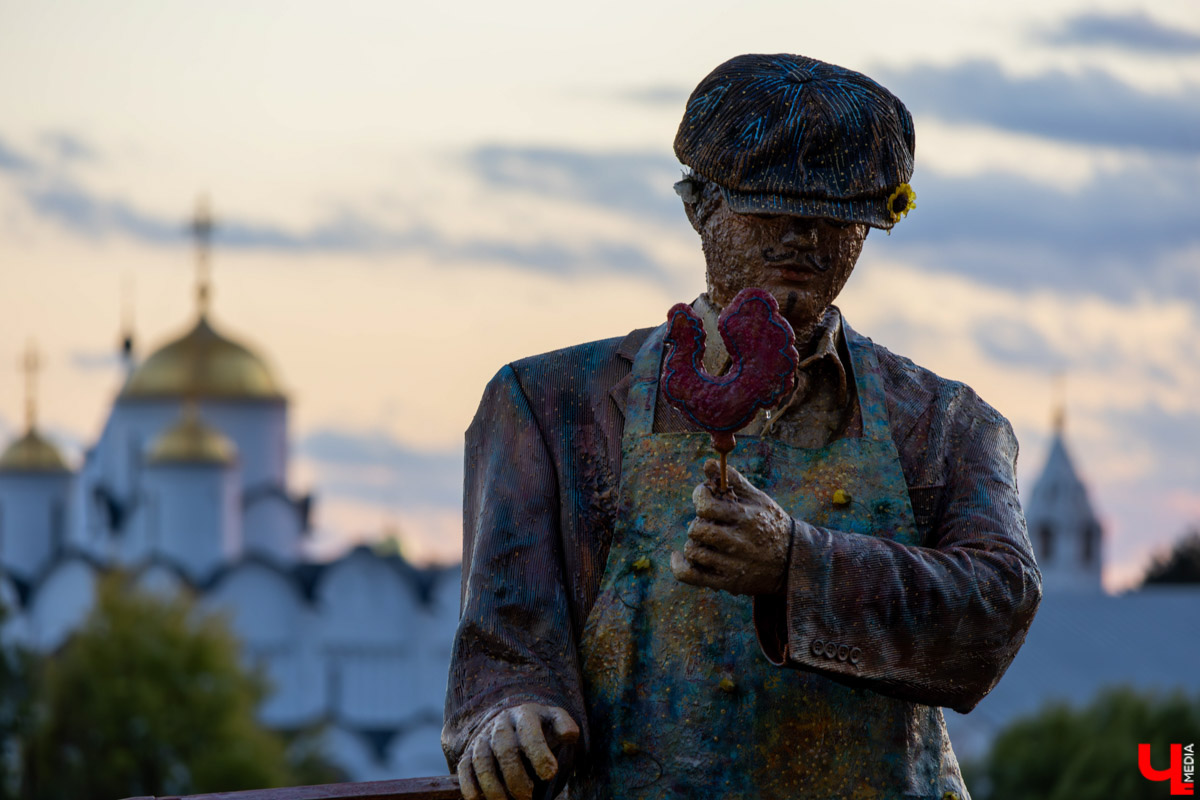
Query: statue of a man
[630, 631]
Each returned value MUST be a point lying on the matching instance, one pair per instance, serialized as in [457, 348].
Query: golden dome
[190, 441]
[203, 364]
[32, 453]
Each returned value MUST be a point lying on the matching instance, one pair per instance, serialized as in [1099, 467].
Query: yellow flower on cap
[901, 201]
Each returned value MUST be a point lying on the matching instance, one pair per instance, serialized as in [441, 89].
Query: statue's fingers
[484, 765]
[693, 574]
[508, 755]
[710, 505]
[466, 780]
[715, 535]
[684, 572]
[717, 565]
[698, 555]
[565, 729]
[533, 743]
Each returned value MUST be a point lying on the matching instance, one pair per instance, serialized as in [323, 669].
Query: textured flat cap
[786, 134]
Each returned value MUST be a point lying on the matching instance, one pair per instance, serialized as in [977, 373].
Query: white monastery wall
[34, 519]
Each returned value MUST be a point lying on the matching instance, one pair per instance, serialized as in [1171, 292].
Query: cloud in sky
[635, 183]
[67, 146]
[376, 468]
[52, 196]
[1135, 31]
[1091, 107]
[1117, 234]
[663, 95]
[11, 160]
[1113, 235]
[1015, 342]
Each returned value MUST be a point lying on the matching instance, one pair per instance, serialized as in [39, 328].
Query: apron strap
[647, 367]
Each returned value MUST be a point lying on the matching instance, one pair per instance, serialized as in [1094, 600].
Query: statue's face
[803, 262]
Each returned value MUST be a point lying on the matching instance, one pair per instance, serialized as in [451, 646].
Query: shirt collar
[825, 342]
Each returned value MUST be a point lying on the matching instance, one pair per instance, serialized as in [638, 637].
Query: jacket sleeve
[937, 624]
[514, 643]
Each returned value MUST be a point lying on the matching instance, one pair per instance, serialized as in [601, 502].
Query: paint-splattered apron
[681, 701]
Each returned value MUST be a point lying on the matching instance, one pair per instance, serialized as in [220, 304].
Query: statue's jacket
[935, 624]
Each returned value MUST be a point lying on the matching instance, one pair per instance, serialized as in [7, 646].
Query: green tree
[148, 698]
[1089, 753]
[15, 671]
[1180, 565]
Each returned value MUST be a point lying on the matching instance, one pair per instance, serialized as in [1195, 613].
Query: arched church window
[1045, 542]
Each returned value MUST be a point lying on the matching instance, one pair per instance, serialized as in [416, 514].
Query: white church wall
[363, 599]
[63, 600]
[417, 753]
[118, 462]
[192, 516]
[438, 625]
[279, 634]
[351, 751]
[259, 430]
[370, 622]
[120, 453]
[115, 466]
[34, 519]
[272, 528]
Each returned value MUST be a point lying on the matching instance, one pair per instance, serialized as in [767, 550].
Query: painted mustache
[785, 257]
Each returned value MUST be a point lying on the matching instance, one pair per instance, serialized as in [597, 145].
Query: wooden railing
[444, 787]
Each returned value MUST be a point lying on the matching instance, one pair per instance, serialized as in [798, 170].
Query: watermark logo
[1181, 772]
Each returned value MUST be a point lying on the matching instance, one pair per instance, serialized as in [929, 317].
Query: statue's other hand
[739, 539]
[492, 766]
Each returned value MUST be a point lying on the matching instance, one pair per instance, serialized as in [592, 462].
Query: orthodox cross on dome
[31, 362]
[201, 228]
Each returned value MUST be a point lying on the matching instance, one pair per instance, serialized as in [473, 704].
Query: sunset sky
[409, 195]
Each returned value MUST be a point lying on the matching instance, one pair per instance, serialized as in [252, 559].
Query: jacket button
[843, 652]
[855, 655]
[818, 647]
[830, 650]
